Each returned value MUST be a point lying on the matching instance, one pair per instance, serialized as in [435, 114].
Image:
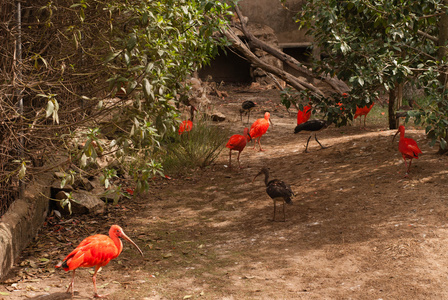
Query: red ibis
[408, 148]
[259, 127]
[237, 142]
[95, 251]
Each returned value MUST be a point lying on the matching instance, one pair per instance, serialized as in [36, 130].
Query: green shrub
[197, 148]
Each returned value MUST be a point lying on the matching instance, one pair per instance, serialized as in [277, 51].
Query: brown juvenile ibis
[245, 109]
[277, 190]
[408, 148]
[313, 126]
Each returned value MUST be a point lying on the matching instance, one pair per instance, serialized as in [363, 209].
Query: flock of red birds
[257, 130]
[98, 250]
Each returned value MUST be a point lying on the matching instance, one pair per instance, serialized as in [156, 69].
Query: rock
[87, 203]
[217, 116]
[82, 183]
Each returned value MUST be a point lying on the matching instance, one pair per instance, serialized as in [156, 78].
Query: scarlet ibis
[277, 190]
[237, 142]
[363, 111]
[185, 126]
[95, 251]
[312, 125]
[259, 127]
[408, 148]
[246, 107]
[304, 115]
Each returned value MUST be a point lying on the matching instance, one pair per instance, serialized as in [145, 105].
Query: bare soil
[357, 228]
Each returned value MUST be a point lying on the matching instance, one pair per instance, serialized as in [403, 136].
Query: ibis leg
[307, 142]
[238, 159]
[71, 286]
[259, 139]
[315, 137]
[230, 158]
[409, 167]
[273, 219]
[284, 214]
[248, 117]
[94, 284]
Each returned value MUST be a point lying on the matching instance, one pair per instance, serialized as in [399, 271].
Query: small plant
[197, 148]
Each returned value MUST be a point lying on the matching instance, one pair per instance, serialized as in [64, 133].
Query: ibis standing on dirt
[246, 107]
[363, 111]
[237, 142]
[312, 126]
[277, 190]
[95, 251]
[259, 127]
[408, 148]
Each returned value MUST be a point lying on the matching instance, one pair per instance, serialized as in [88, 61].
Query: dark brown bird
[312, 125]
[277, 190]
[246, 107]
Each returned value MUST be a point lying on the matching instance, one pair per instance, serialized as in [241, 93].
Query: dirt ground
[357, 228]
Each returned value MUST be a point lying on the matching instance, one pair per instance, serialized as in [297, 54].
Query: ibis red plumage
[304, 115]
[408, 148]
[237, 142]
[259, 127]
[185, 126]
[363, 111]
[95, 251]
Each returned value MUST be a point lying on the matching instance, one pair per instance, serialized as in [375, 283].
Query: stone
[86, 203]
[217, 116]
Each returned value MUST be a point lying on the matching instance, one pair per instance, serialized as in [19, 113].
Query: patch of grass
[197, 148]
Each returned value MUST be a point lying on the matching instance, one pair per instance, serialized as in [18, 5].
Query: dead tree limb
[249, 55]
[337, 85]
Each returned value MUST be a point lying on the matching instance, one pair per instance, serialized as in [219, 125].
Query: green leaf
[111, 56]
[442, 143]
[132, 42]
[22, 171]
[147, 88]
[50, 108]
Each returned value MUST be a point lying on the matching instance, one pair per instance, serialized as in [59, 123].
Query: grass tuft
[198, 148]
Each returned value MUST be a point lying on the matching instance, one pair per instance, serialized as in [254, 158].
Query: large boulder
[86, 203]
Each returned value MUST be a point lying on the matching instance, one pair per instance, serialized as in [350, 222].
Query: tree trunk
[441, 54]
[393, 120]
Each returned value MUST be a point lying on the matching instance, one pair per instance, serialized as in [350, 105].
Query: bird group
[238, 142]
[279, 190]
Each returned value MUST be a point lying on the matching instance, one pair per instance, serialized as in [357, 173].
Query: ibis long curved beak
[395, 135]
[255, 177]
[271, 122]
[124, 236]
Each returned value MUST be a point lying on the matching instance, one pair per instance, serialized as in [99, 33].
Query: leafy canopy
[376, 45]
